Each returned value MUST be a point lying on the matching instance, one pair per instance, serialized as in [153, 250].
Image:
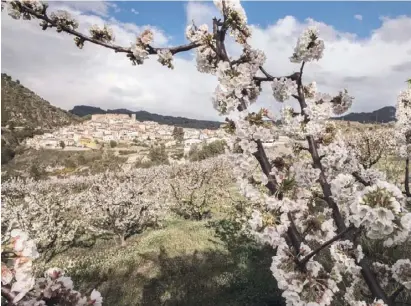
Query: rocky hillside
[24, 114]
[84, 110]
[20, 107]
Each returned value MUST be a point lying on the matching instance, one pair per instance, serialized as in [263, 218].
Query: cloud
[201, 13]
[100, 8]
[134, 11]
[114, 6]
[358, 17]
[51, 65]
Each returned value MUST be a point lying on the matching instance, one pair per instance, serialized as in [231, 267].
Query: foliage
[207, 150]
[70, 163]
[113, 144]
[178, 133]
[158, 155]
[62, 144]
[7, 154]
[36, 173]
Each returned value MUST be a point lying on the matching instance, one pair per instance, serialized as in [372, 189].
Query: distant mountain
[382, 115]
[24, 114]
[83, 110]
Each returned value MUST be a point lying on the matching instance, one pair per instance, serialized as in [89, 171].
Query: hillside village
[121, 128]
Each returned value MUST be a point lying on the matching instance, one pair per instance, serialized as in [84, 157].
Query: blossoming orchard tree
[321, 209]
[123, 204]
[42, 209]
[197, 187]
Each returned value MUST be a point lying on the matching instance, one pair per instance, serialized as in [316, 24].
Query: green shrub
[178, 134]
[36, 173]
[81, 159]
[69, 163]
[7, 154]
[207, 150]
[113, 144]
[158, 155]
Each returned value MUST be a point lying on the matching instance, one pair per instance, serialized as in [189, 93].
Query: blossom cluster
[381, 210]
[309, 47]
[206, 56]
[236, 19]
[63, 19]
[13, 8]
[104, 34]
[403, 124]
[139, 50]
[236, 85]
[22, 288]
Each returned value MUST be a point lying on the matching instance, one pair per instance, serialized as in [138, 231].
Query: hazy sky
[368, 51]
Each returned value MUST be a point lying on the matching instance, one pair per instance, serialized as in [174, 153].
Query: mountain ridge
[85, 110]
[383, 115]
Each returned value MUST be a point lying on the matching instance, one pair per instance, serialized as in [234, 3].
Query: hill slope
[22, 107]
[24, 114]
[84, 110]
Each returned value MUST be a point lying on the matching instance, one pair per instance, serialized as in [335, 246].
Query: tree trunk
[122, 240]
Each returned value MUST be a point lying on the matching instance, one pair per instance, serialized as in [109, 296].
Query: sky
[367, 51]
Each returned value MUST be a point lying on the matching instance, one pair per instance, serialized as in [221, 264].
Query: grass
[183, 263]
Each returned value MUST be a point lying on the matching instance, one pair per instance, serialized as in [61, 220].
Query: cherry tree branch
[272, 186]
[324, 245]
[368, 275]
[269, 78]
[359, 179]
[118, 49]
[407, 177]
[8, 295]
